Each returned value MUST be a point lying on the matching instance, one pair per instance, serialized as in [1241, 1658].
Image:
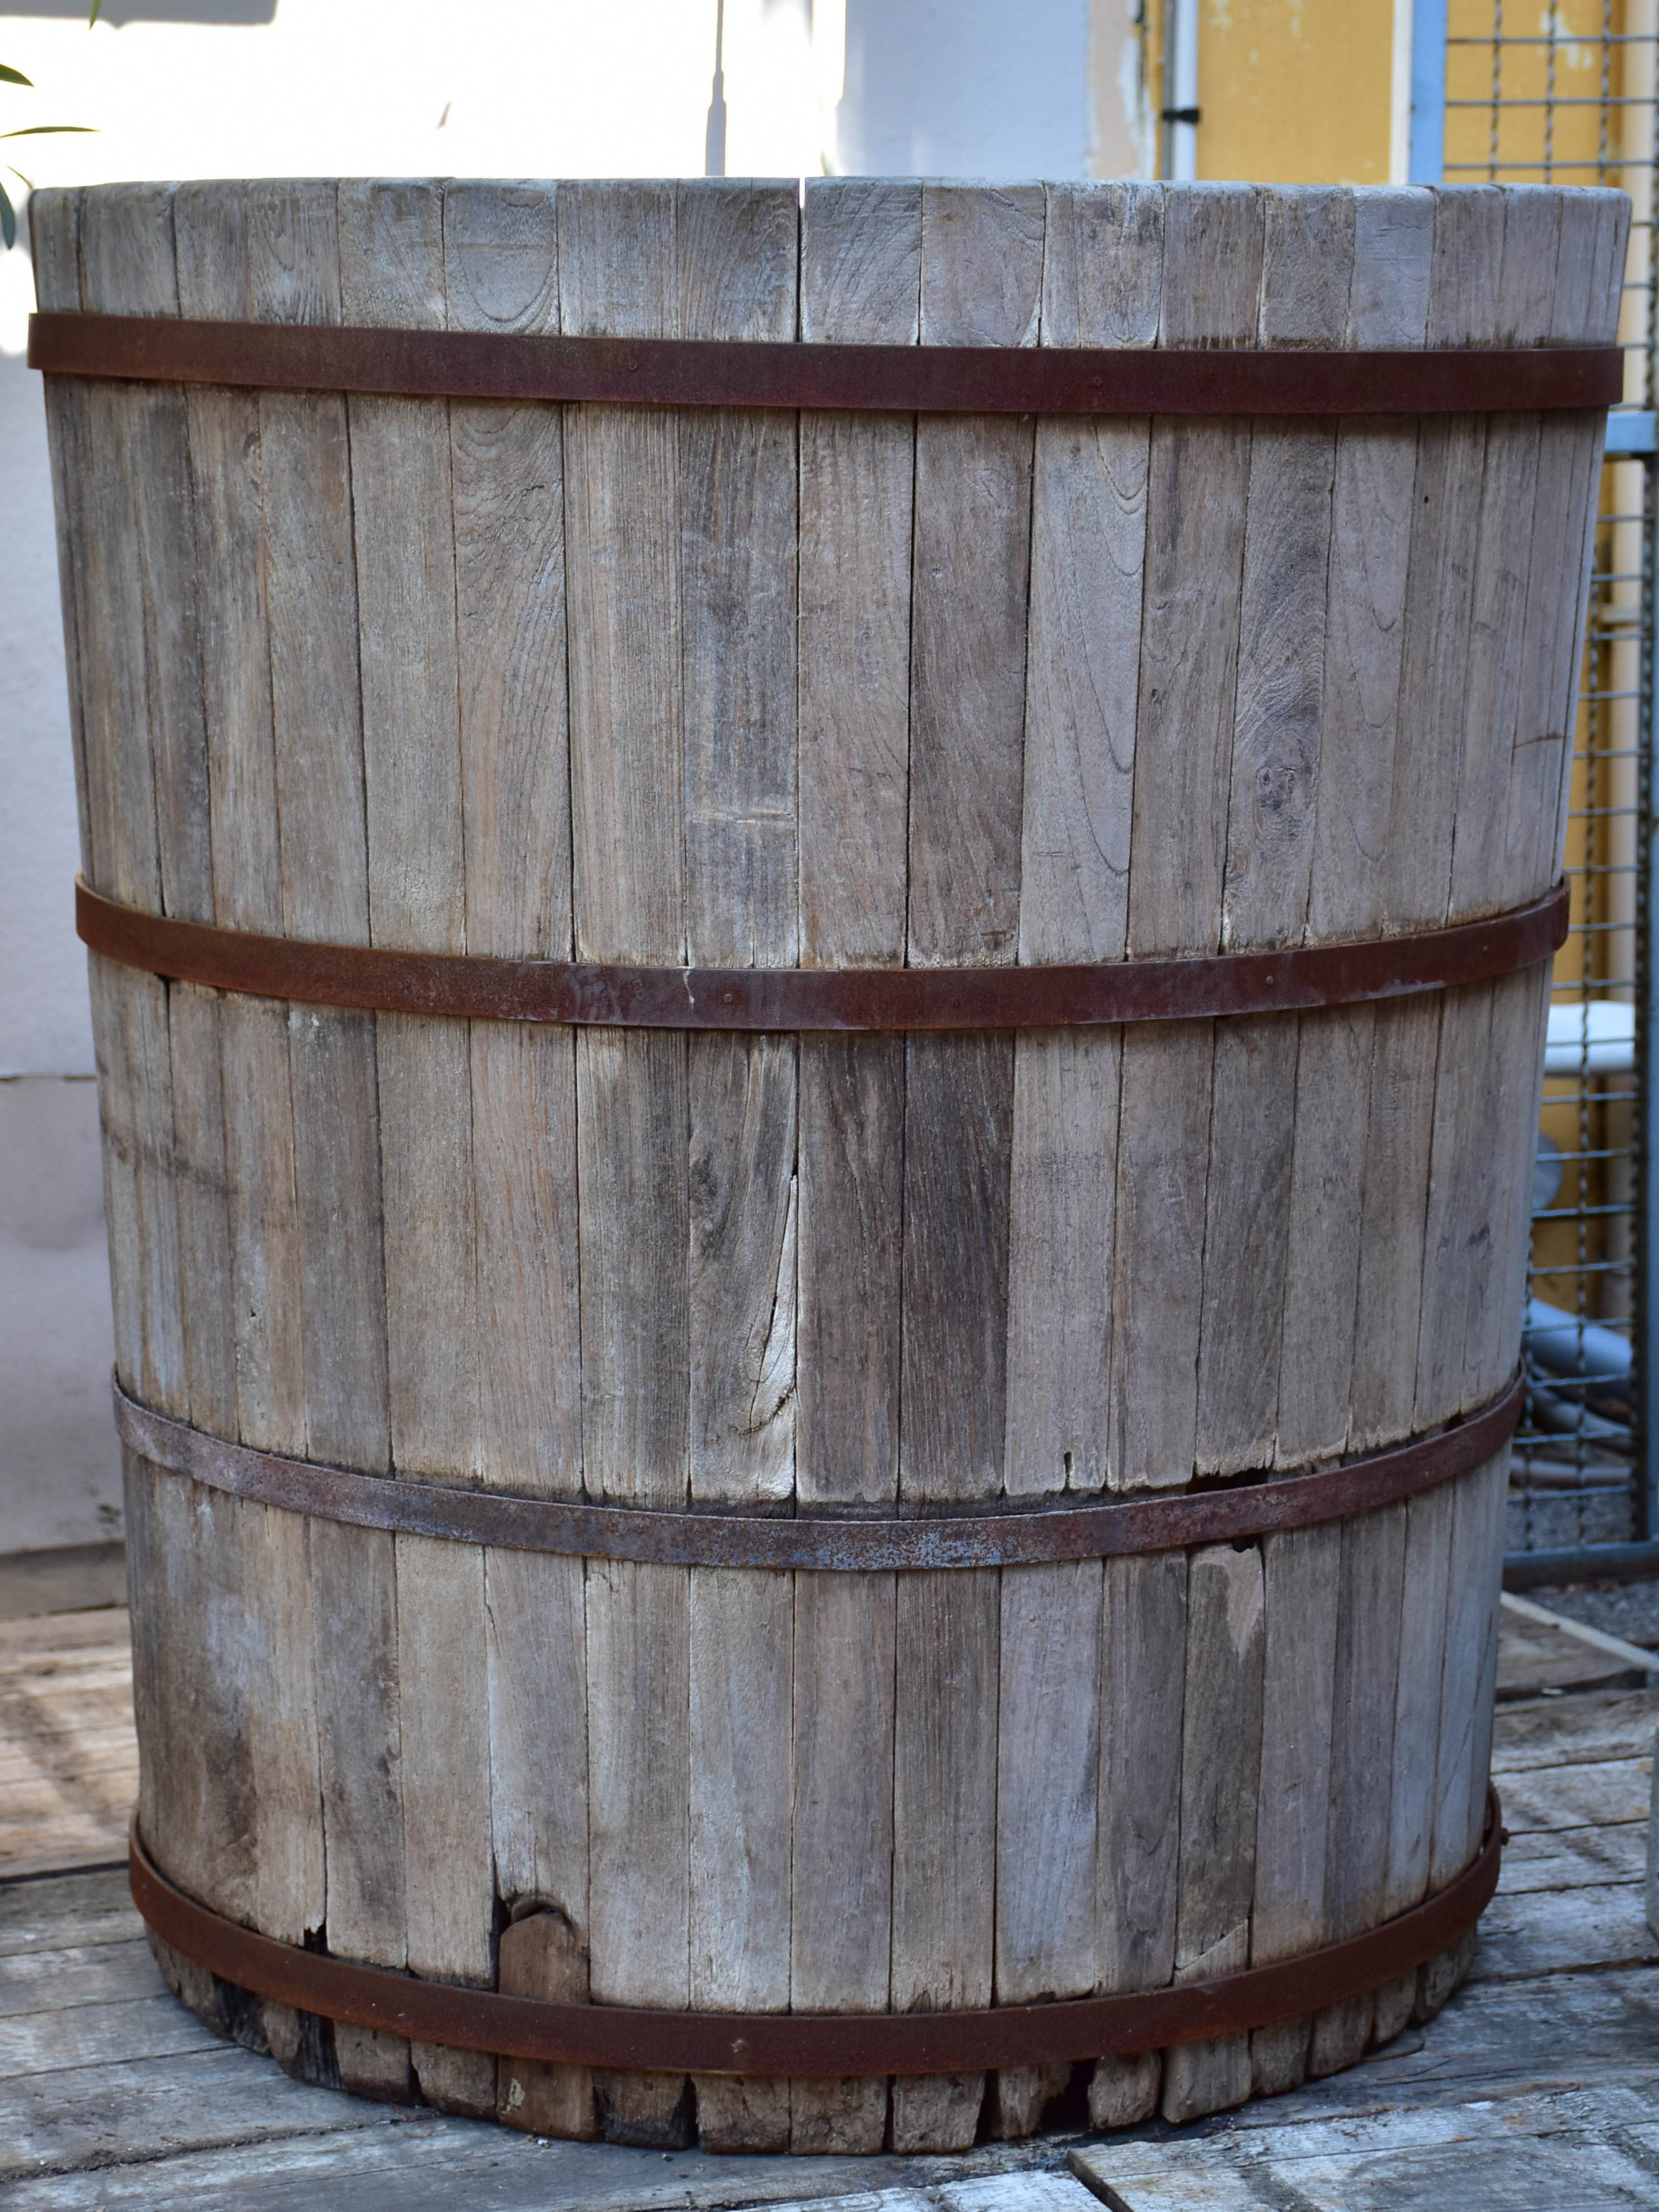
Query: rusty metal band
[999, 1535]
[468, 987]
[905, 379]
[814, 2045]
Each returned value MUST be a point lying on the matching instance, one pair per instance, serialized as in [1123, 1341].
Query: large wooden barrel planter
[817, 1427]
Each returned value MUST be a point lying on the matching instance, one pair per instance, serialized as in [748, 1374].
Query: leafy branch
[8, 212]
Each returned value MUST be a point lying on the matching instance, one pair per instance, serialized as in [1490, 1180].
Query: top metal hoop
[891, 378]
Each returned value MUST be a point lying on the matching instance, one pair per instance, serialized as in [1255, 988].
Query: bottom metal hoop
[780, 2043]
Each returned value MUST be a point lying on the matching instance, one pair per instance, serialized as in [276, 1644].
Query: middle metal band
[999, 1535]
[470, 987]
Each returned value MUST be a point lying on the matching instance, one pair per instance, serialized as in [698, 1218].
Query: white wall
[261, 88]
[965, 88]
[43, 990]
[59, 1467]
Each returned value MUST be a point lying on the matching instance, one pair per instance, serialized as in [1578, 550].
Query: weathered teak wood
[391, 265]
[982, 273]
[294, 275]
[1297, 1103]
[500, 271]
[619, 683]
[1102, 276]
[860, 281]
[737, 277]
[618, 271]
[147, 743]
[224, 258]
[1212, 254]
[1346, 1158]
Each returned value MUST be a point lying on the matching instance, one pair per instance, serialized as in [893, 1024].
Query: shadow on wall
[60, 1472]
[116, 12]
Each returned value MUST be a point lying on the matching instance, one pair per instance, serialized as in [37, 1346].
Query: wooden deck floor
[1537, 2090]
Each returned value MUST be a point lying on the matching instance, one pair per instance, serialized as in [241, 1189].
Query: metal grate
[1565, 95]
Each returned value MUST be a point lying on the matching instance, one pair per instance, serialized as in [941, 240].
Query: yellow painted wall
[1296, 91]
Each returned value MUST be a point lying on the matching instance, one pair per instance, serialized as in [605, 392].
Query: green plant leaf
[8, 219]
[51, 130]
[13, 77]
[97, 10]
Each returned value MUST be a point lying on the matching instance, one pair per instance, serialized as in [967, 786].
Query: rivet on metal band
[813, 2044]
[894, 379]
[995, 1536]
[470, 987]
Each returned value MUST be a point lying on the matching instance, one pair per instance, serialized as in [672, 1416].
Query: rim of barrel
[800, 374]
[472, 986]
[813, 2044]
[997, 1536]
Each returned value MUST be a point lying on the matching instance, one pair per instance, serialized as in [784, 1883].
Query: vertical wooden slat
[1144, 1618]
[55, 250]
[1407, 1077]
[1102, 273]
[1198, 474]
[1487, 1055]
[1196, 489]
[1345, 1076]
[982, 267]
[1307, 265]
[501, 272]
[1102, 268]
[1589, 296]
[738, 260]
[158, 1049]
[54, 217]
[1048, 1817]
[1370, 527]
[1487, 1036]
[1250, 1390]
[1370, 1598]
[1508, 517]
[860, 281]
[293, 276]
[144, 729]
[121, 237]
[212, 231]
[617, 273]
[1463, 311]
[1220, 1762]
[392, 271]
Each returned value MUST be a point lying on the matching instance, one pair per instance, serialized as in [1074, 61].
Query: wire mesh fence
[1565, 94]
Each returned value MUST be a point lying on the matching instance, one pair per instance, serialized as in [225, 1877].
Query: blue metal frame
[1428, 131]
[1647, 1027]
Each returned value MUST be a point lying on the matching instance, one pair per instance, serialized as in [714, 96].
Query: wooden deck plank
[1575, 1858]
[1585, 1795]
[1528, 1934]
[53, 1911]
[68, 1760]
[1544, 2153]
[68, 1976]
